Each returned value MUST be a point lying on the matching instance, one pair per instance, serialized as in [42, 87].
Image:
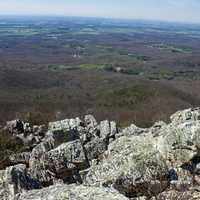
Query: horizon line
[101, 17]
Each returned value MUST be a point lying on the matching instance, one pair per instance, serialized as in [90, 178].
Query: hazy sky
[172, 10]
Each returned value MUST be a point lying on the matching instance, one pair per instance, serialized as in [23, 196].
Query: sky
[167, 10]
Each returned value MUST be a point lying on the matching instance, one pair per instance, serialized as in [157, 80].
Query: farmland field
[129, 71]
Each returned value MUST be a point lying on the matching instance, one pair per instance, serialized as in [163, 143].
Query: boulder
[64, 124]
[157, 128]
[132, 130]
[90, 122]
[95, 148]
[91, 129]
[179, 143]
[14, 181]
[48, 163]
[132, 166]
[19, 158]
[15, 126]
[176, 195]
[27, 128]
[191, 114]
[108, 129]
[136, 163]
[64, 130]
[66, 160]
[72, 192]
[36, 165]
[104, 129]
[25, 133]
[98, 140]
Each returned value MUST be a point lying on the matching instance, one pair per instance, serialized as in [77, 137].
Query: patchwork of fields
[129, 71]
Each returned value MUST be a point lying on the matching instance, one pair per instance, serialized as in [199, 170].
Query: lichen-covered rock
[137, 163]
[48, 163]
[157, 128]
[131, 164]
[65, 159]
[191, 114]
[97, 137]
[25, 133]
[39, 130]
[95, 148]
[107, 129]
[36, 166]
[40, 149]
[179, 143]
[104, 129]
[19, 158]
[72, 192]
[113, 129]
[64, 130]
[90, 121]
[176, 195]
[64, 124]
[15, 180]
[14, 159]
[15, 126]
[91, 129]
[132, 130]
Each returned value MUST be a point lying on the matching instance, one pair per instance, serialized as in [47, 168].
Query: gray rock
[72, 192]
[64, 130]
[15, 180]
[15, 126]
[14, 159]
[39, 130]
[66, 124]
[113, 128]
[19, 158]
[90, 121]
[27, 128]
[192, 114]
[91, 129]
[197, 169]
[36, 165]
[25, 133]
[177, 195]
[105, 129]
[98, 141]
[131, 165]
[66, 159]
[134, 161]
[108, 129]
[63, 162]
[157, 128]
[179, 143]
[132, 130]
[95, 148]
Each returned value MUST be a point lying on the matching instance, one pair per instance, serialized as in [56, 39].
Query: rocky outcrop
[57, 154]
[191, 114]
[72, 192]
[177, 195]
[14, 181]
[83, 159]
[25, 133]
[131, 165]
[66, 160]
